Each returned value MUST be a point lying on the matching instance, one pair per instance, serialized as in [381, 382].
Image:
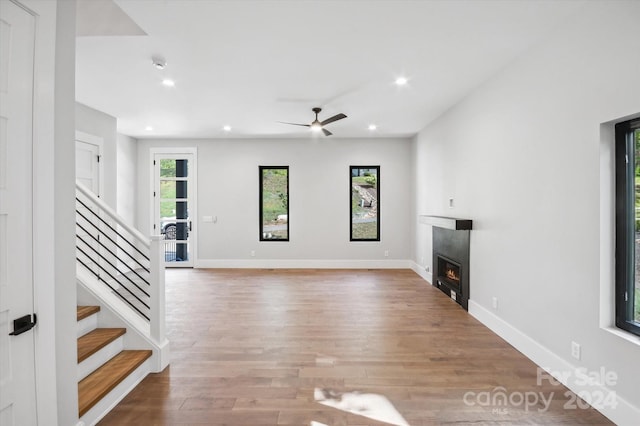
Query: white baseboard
[427, 276]
[569, 375]
[302, 264]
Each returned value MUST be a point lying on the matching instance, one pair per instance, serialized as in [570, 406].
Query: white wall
[319, 199]
[63, 252]
[97, 123]
[521, 156]
[126, 177]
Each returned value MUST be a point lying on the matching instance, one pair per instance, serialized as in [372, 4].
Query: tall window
[628, 226]
[274, 203]
[365, 203]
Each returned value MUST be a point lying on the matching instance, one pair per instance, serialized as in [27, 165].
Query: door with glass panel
[174, 206]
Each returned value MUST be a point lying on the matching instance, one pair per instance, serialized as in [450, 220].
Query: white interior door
[88, 153]
[17, 372]
[174, 206]
[88, 172]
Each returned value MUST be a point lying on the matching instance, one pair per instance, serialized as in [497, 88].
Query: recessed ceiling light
[372, 127]
[227, 128]
[168, 82]
[401, 81]
[148, 128]
[159, 62]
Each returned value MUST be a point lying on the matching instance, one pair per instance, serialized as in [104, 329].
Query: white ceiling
[249, 64]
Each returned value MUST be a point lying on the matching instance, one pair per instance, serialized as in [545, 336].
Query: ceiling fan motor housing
[319, 125]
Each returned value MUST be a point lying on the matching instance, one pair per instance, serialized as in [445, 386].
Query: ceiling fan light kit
[317, 125]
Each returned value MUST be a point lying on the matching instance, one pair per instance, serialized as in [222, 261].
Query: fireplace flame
[452, 275]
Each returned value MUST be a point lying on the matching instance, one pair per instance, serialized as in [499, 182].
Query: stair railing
[122, 259]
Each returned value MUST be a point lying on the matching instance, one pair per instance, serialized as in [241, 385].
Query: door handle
[23, 324]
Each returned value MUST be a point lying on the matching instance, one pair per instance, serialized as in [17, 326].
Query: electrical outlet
[450, 203]
[386, 253]
[253, 253]
[575, 350]
[427, 268]
[494, 302]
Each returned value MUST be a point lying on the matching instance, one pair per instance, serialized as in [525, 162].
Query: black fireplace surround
[451, 257]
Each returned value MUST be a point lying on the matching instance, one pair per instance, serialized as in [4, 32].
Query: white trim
[623, 414]
[99, 142]
[302, 264]
[427, 276]
[175, 152]
[43, 198]
[113, 215]
[607, 304]
[622, 334]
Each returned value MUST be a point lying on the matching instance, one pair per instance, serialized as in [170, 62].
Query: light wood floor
[248, 347]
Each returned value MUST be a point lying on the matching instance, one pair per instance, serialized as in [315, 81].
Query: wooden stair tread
[96, 385]
[86, 311]
[97, 339]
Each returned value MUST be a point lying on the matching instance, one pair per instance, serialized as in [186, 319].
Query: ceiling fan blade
[334, 118]
[295, 124]
[326, 132]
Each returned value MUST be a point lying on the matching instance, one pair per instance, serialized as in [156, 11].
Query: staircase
[103, 364]
[120, 313]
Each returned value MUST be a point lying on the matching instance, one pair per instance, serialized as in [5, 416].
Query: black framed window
[627, 267]
[274, 203]
[364, 190]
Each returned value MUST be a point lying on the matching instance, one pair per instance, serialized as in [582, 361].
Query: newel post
[156, 257]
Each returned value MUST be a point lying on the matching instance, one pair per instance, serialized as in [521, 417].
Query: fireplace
[449, 272]
[451, 256]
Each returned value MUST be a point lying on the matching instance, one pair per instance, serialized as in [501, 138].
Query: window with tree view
[365, 203]
[274, 203]
[628, 225]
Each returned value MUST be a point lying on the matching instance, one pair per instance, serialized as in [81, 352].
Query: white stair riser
[96, 360]
[87, 324]
[106, 404]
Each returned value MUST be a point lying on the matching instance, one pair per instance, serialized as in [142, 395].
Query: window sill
[630, 337]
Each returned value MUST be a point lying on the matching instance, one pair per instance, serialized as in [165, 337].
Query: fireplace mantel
[446, 222]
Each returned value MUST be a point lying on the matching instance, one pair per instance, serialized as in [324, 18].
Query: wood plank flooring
[248, 347]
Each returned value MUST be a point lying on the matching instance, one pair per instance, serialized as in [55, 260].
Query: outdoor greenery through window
[628, 226]
[365, 203]
[174, 212]
[274, 203]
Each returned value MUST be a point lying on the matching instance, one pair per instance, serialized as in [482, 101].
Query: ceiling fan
[317, 125]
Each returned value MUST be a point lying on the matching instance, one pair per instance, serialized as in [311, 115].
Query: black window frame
[625, 163]
[261, 206]
[351, 238]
